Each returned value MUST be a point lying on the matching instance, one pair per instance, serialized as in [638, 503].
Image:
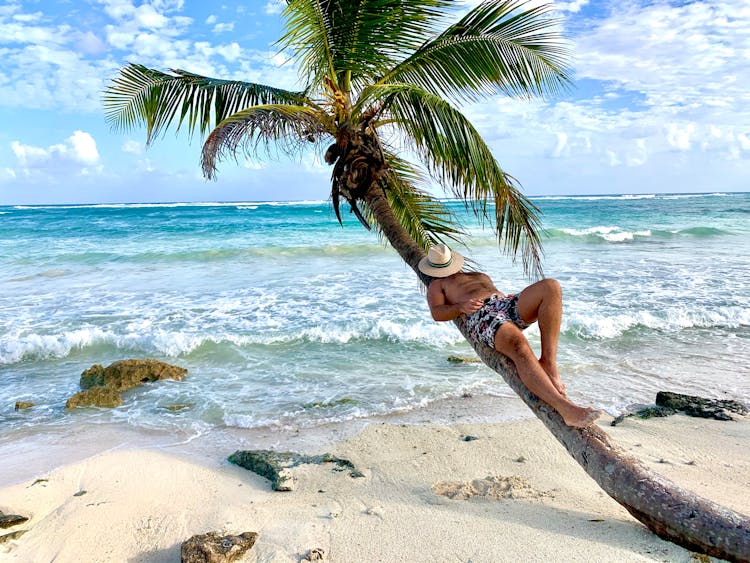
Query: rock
[127, 374]
[644, 413]
[329, 404]
[175, 408]
[668, 403]
[96, 396]
[20, 405]
[463, 360]
[10, 520]
[699, 406]
[276, 466]
[213, 548]
[315, 554]
[12, 536]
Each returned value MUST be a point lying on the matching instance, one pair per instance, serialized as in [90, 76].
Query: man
[497, 320]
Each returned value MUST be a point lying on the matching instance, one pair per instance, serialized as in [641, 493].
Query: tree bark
[671, 512]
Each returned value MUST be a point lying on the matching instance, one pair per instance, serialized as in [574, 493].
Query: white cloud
[274, 7]
[574, 6]
[77, 154]
[90, 44]
[223, 27]
[84, 147]
[133, 147]
[679, 136]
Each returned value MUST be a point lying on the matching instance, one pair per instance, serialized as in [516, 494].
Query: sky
[660, 102]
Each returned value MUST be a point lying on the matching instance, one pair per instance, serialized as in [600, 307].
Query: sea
[287, 321]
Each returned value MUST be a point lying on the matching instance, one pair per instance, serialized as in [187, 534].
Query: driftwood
[673, 513]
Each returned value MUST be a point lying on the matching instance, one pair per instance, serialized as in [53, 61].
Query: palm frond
[309, 25]
[500, 46]
[457, 157]
[350, 39]
[285, 127]
[158, 99]
[423, 216]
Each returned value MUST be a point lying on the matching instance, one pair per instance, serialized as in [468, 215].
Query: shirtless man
[496, 320]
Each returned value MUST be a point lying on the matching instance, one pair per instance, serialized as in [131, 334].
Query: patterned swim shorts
[496, 310]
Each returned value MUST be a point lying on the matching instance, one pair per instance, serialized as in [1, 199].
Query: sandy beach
[512, 494]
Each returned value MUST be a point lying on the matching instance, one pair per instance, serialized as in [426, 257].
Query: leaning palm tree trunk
[671, 512]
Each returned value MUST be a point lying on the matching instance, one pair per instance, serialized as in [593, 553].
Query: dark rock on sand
[127, 374]
[10, 520]
[21, 405]
[644, 413]
[315, 554]
[277, 466]
[99, 396]
[670, 403]
[700, 407]
[213, 548]
[12, 536]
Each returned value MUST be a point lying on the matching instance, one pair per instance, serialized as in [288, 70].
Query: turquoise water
[273, 307]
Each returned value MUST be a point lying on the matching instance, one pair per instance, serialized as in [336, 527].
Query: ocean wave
[701, 231]
[606, 233]
[617, 234]
[14, 349]
[53, 273]
[147, 339]
[620, 197]
[671, 319]
[237, 204]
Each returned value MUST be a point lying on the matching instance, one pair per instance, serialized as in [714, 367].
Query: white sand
[519, 497]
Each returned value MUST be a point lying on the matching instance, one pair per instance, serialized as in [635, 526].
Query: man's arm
[442, 310]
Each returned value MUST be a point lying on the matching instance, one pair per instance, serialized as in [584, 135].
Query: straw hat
[440, 262]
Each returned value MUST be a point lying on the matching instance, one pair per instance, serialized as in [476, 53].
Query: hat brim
[455, 265]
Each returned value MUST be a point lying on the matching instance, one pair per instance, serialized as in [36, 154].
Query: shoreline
[519, 495]
[28, 452]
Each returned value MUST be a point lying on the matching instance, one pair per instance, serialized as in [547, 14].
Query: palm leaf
[423, 216]
[497, 47]
[308, 34]
[346, 40]
[285, 127]
[457, 157]
[143, 95]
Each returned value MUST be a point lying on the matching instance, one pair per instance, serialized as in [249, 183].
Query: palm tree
[383, 77]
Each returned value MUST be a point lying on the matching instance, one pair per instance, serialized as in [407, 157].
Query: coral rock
[213, 548]
[96, 396]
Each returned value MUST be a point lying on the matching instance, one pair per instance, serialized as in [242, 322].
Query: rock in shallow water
[127, 374]
[102, 386]
[96, 396]
[213, 548]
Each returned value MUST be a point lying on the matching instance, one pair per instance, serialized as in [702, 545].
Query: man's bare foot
[581, 417]
[550, 368]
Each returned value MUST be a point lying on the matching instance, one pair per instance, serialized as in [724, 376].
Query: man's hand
[471, 306]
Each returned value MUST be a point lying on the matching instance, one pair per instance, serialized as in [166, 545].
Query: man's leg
[542, 302]
[509, 340]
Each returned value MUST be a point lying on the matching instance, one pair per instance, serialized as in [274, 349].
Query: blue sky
[661, 102]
